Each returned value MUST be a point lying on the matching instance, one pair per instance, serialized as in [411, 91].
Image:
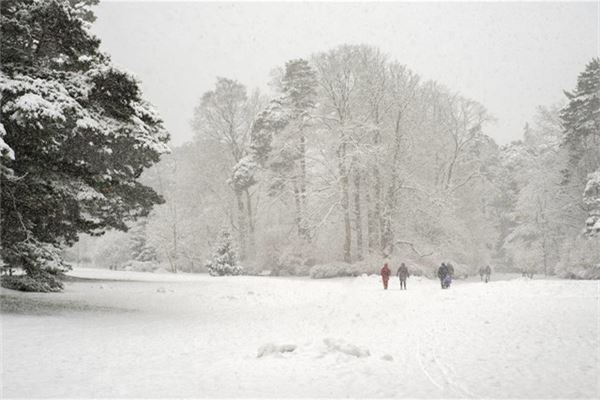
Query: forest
[348, 160]
[354, 159]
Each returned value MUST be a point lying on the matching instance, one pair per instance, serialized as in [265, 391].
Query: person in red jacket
[385, 275]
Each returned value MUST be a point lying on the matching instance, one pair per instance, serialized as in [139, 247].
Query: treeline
[355, 158]
[551, 186]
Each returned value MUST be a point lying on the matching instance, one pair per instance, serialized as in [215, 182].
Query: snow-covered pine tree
[278, 137]
[224, 260]
[591, 198]
[581, 120]
[75, 136]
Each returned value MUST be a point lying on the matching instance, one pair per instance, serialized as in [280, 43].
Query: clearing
[127, 334]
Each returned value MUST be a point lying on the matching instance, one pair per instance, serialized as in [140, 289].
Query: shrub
[580, 259]
[292, 264]
[333, 270]
[141, 266]
[582, 271]
[224, 260]
[41, 281]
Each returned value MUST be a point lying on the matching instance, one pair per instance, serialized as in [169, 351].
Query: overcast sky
[511, 57]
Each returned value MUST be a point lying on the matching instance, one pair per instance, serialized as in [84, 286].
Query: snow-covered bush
[333, 270]
[224, 259]
[293, 264]
[582, 271]
[41, 281]
[141, 266]
[581, 259]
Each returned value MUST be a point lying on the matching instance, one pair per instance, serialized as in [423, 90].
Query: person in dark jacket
[402, 275]
[488, 272]
[450, 270]
[442, 273]
[385, 275]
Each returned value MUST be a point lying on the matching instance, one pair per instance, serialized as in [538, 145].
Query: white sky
[511, 57]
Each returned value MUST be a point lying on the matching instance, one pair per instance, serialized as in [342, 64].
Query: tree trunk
[357, 216]
[450, 172]
[378, 222]
[241, 225]
[174, 258]
[302, 201]
[345, 201]
[298, 205]
[251, 238]
[372, 230]
[387, 238]
[175, 244]
[303, 197]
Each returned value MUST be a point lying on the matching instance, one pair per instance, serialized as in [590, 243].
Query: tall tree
[299, 91]
[581, 122]
[279, 138]
[76, 135]
[337, 83]
[225, 115]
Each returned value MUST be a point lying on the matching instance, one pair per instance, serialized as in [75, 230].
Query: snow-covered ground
[163, 335]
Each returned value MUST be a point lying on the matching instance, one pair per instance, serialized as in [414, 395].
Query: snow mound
[387, 357]
[340, 346]
[271, 348]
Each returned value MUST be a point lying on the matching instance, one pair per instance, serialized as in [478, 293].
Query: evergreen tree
[581, 121]
[581, 116]
[224, 259]
[591, 198]
[278, 137]
[75, 135]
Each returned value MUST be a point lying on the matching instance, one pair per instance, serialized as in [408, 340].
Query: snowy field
[161, 335]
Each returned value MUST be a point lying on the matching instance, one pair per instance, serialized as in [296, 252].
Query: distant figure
[450, 270]
[385, 275]
[488, 272]
[444, 275]
[481, 272]
[447, 281]
[530, 273]
[402, 275]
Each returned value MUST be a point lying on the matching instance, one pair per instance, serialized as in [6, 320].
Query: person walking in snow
[530, 272]
[402, 275]
[385, 275]
[450, 270]
[488, 272]
[481, 272]
[442, 273]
